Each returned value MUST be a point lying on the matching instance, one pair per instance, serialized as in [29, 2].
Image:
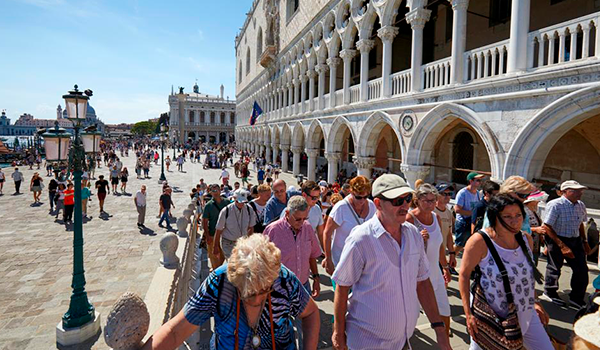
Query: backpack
[227, 211]
[259, 227]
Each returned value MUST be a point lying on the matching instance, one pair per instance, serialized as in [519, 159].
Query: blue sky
[128, 52]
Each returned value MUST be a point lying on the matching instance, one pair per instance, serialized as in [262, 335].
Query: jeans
[165, 216]
[68, 212]
[51, 196]
[142, 215]
[579, 278]
[17, 186]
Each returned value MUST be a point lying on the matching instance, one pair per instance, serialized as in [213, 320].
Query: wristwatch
[438, 325]
[315, 275]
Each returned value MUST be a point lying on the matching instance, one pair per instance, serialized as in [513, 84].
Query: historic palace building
[200, 117]
[429, 89]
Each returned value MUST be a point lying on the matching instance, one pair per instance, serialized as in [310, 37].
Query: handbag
[495, 332]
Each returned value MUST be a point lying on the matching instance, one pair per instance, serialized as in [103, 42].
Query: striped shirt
[217, 298]
[565, 217]
[384, 307]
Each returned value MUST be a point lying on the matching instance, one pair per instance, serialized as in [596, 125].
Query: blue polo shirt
[274, 206]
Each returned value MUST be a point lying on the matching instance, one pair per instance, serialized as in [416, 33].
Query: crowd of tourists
[390, 251]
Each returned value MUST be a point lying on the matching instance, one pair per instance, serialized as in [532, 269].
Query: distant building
[14, 130]
[118, 130]
[196, 116]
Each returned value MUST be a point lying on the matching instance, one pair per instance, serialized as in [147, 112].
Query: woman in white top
[505, 214]
[352, 211]
[428, 223]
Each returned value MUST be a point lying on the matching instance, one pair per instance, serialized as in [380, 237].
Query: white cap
[241, 196]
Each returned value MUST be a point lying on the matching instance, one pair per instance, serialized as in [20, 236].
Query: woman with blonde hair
[428, 223]
[350, 212]
[519, 188]
[252, 299]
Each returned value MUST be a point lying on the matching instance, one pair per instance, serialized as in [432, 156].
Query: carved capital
[296, 149]
[311, 74]
[296, 82]
[285, 148]
[419, 171]
[418, 17]
[364, 162]
[275, 146]
[387, 33]
[365, 45]
[333, 62]
[459, 5]
[333, 157]
[311, 153]
[322, 68]
[303, 78]
[347, 54]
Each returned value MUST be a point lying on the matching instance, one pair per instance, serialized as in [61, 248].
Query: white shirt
[384, 307]
[17, 176]
[225, 174]
[140, 199]
[344, 216]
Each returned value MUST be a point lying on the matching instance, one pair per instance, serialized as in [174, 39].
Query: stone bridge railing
[132, 320]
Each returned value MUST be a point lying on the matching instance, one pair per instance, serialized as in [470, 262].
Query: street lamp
[81, 321]
[163, 178]
[91, 140]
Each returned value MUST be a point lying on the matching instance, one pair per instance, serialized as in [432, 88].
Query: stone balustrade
[132, 320]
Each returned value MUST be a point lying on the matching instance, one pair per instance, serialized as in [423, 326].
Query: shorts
[227, 247]
[1, 181]
[114, 180]
[123, 179]
[101, 196]
[36, 188]
[462, 232]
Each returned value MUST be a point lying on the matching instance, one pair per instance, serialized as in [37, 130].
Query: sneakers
[453, 271]
[553, 298]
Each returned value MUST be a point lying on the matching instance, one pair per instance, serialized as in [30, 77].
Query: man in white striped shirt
[384, 263]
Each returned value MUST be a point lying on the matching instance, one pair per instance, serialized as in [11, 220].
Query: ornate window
[202, 120]
[212, 117]
[248, 61]
[232, 115]
[292, 8]
[222, 117]
[259, 44]
[191, 116]
[240, 73]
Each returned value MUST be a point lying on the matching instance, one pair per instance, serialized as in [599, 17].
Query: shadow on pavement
[88, 344]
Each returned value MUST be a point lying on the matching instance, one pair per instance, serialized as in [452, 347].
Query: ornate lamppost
[91, 135]
[163, 178]
[81, 321]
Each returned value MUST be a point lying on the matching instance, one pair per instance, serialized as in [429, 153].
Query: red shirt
[69, 197]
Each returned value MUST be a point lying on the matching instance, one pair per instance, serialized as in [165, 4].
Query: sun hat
[474, 175]
[240, 196]
[587, 326]
[572, 185]
[537, 196]
[441, 187]
[390, 186]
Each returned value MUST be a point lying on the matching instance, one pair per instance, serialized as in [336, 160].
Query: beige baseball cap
[587, 326]
[572, 185]
[390, 186]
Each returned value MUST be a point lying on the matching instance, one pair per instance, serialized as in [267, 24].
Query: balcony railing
[325, 101]
[374, 89]
[339, 97]
[354, 93]
[487, 61]
[548, 46]
[436, 74]
[401, 82]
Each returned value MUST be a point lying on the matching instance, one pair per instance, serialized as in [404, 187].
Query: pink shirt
[295, 253]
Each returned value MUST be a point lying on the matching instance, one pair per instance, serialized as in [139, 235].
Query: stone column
[417, 19]
[296, 160]
[332, 165]
[414, 172]
[312, 163]
[332, 63]
[459, 40]
[279, 99]
[284, 157]
[268, 152]
[262, 149]
[275, 152]
[311, 89]
[387, 35]
[364, 46]
[296, 96]
[321, 69]
[347, 56]
[364, 165]
[290, 87]
[303, 79]
[519, 30]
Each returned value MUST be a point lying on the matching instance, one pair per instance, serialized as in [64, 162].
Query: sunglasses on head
[396, 202]
[522, 195]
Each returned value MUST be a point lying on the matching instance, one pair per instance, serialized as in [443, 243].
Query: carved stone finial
[127, 323]
[168, 246]
[182, 224]
[187, 213]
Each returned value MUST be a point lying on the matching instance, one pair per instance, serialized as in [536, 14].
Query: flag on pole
[256, 111]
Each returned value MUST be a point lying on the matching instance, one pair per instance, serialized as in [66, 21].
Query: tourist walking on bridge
[210, 216]
[140, 204]
[235, 221]
[165, 203]
[17, 177]
[2, 180]
[36, 187]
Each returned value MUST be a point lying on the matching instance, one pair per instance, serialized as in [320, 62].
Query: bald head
[279, 187]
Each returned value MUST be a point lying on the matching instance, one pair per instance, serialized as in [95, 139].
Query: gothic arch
[286, 135]
[312, 136]
[530, 148]
[335, 137]
[422, 142]
[298, 138]
[370, 132]
[259, 44]
[275, 135]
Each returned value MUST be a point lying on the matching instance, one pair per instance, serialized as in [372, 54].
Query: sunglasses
[522, 195]
[358, 198]
[396, 202]
[314, 198]
[448, 194]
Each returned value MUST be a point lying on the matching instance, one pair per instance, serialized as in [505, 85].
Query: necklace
[255, 337]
